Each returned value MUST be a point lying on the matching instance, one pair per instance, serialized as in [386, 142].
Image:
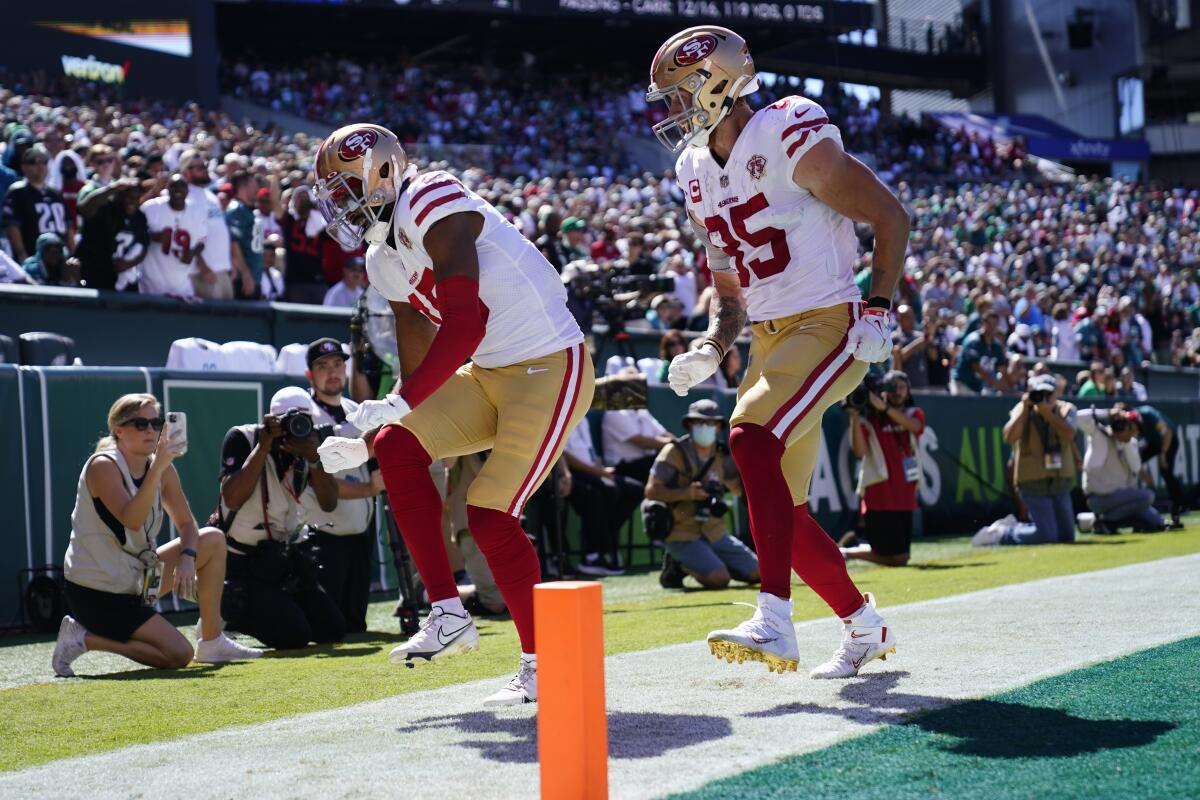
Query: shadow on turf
[630, 734]
[932, 567]
[150, 674]
[984, 728]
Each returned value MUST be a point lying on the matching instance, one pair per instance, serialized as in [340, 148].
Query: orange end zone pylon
[572, 727]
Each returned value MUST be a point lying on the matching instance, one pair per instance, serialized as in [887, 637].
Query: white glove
[870, 339]
[370, 414]
[689, 369]
[338, 453]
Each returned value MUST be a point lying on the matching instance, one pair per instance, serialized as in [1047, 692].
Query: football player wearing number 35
[774, 197]
[463, 284]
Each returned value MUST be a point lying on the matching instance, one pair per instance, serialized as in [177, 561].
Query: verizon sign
[90, 69]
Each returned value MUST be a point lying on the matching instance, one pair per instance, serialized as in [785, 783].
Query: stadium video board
[840, 14]
[153, 48]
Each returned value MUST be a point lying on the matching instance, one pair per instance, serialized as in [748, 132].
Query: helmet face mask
[349, 217]
[686, 121]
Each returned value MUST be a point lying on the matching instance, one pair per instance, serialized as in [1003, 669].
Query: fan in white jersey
[463, 284]
[774, 196]
[177, 232]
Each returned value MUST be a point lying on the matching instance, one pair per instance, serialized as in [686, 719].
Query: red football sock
[820, 564]
[417, 507]
[513, 562]
[758, 454]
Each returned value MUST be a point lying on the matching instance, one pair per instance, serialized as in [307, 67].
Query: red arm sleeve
[461, 331]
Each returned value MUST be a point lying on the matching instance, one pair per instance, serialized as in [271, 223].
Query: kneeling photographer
[685, 505]
[884, 425]
[1112, 467]
[271, 588]
[1041, 431]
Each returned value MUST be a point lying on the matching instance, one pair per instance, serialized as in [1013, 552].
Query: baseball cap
[262, 193]
[1042, 383]
[704, 410]
[290, 397]
[326, 346]
[571, 224]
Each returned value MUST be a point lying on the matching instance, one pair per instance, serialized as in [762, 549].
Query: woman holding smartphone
[114, 573]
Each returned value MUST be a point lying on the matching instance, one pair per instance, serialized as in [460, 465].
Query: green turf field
[113, 706]
[1091, 733]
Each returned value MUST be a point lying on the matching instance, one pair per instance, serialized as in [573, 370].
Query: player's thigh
[457, 419]
[538, 403]
[799, 460]
[804, 370]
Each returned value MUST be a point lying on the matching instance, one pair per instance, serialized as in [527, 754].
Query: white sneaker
[69, 646]
[222, 649]
[521, 689]
[865, 637]
[768, 636]
[442, 634]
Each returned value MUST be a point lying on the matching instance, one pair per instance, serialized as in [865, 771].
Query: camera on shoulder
[872, 383]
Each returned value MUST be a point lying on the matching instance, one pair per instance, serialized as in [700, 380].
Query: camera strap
[707, 464]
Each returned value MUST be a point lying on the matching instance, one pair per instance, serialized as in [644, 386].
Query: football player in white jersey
[774, 196]
[463, 284]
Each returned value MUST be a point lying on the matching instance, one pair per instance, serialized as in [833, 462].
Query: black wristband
[187, 551]
[880, 302]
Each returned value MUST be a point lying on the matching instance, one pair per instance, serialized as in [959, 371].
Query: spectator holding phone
[115, 573]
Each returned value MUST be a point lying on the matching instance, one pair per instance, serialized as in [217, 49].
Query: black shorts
[113, 616]
[889, 532]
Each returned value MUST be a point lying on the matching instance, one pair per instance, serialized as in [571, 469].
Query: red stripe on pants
[574, 365]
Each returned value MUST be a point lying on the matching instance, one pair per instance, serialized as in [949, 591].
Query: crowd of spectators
[1000, 262]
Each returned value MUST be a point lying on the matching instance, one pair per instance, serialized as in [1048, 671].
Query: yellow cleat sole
[740, 653]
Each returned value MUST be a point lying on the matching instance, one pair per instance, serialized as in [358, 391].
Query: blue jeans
[1133, 505]
[704, 557]
[1053, 519]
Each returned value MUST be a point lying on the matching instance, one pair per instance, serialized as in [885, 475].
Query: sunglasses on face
[104, 160]
[142, 424]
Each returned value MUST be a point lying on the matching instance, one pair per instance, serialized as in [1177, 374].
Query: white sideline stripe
[738, 717]
[47, 490]
[25, 466]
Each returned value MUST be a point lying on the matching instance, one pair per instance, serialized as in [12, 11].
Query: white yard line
[678, 718]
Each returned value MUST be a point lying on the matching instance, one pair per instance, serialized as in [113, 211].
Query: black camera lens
[297, 424]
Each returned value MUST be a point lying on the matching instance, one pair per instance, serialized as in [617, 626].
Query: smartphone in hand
[177, 425]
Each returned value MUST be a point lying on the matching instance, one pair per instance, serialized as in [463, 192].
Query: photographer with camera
[884, 425]
[271, 590]
[115, 573]
[1112, 467]
[685, 499]
[342, 538]
[1041, 431]
[1158, 440]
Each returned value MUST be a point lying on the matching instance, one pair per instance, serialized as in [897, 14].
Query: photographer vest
[102, 554]
[351, 516]
[1032, 465]
[282, 502]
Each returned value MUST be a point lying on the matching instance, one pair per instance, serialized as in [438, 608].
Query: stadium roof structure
[1045, 138]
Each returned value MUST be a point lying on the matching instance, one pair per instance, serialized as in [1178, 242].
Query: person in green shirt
[1096, 385]
[246, 229]
[980, 359]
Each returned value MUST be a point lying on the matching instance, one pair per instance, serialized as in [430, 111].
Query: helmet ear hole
[385, 169]
[720, 88]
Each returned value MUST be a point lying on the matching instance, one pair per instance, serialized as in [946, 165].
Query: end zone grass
[58, 719]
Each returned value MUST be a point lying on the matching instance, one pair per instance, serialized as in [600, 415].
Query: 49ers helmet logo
[695, 49]
[357, 143]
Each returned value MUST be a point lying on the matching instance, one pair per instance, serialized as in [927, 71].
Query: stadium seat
[8, 351]
[41, 349]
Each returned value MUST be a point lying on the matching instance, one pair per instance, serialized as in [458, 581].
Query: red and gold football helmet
[359, 171]
[699, 73]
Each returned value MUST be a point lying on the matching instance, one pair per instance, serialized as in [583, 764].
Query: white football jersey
[163, 271]
[792, 252]
[526, 303]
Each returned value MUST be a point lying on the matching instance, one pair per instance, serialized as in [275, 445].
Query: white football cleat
[521, 689]
[865, 637]
[69, 646]
[768, 637]
[442, 634]
[222, 649]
